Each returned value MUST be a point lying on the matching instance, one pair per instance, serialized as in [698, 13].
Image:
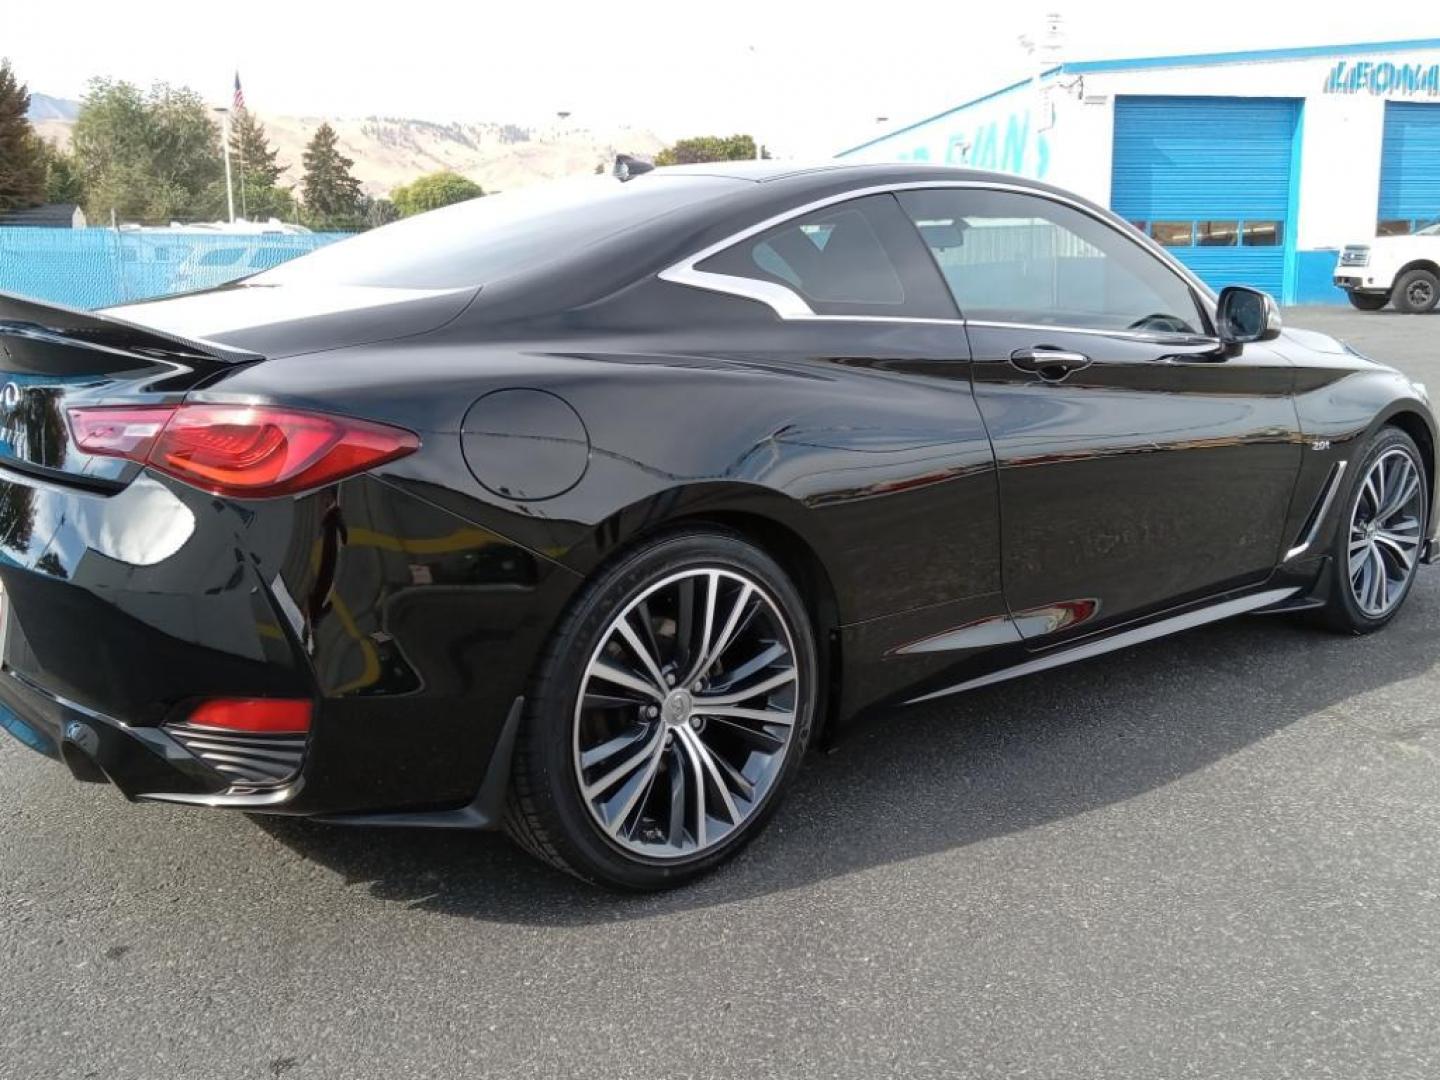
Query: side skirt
[1123, 639]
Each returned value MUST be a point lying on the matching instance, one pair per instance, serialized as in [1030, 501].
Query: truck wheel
[1369, 301]
[1416, 291]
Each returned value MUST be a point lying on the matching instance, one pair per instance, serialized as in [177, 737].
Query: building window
[1264, 233]
[1217, 233]
[1172, 233]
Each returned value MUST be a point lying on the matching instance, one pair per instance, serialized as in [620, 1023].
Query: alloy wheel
[1421, 293]
[1386, 524]
[686, 713]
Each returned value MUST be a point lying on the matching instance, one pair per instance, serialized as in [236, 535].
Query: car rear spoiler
[28, 318]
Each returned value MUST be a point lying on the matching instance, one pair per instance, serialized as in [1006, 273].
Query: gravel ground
[1211, 856]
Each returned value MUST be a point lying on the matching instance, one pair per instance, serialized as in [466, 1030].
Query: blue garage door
[1410, 167]
[1210, 178]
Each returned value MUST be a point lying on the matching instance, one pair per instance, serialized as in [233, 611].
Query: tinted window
[1172, 233]
[1264, 233]
[1020, 258]
[485, 239]
[858, 257]
[1216, 233]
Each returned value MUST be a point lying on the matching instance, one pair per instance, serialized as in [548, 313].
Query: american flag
[239, 102]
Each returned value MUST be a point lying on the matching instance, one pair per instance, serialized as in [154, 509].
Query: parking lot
[1211, 856]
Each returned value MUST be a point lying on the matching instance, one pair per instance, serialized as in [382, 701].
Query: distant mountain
[45, 107]
[390, 151]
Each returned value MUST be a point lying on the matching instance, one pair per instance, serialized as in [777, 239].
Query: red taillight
[253, 451]
[273, 716]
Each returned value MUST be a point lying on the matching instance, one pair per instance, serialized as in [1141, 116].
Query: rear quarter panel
[861, 442]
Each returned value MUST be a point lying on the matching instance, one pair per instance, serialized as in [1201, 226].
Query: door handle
[1052, 365]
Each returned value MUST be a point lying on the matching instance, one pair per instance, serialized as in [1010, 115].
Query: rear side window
[477, 242]
[858, 258]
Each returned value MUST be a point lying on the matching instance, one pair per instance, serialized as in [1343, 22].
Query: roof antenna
[627, 167]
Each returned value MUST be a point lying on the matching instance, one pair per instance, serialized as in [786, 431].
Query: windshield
[478, 241]
[1433, 229]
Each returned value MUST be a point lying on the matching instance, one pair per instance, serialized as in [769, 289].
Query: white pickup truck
[1404, 270]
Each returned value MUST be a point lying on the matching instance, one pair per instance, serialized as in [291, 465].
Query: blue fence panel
[93, 268]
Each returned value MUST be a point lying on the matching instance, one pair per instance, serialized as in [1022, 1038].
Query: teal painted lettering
[1017, 139]
[983, 155]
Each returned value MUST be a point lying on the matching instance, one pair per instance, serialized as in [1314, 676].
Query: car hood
[1315, 341]
[287, 320]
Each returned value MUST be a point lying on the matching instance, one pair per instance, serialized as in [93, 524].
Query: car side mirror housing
[1246, 315]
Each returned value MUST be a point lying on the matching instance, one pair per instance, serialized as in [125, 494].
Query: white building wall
[1064, 135]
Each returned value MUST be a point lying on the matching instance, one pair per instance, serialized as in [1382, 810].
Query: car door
[887, 450]
[1139, 465]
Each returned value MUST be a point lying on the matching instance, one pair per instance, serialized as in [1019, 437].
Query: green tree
[63, 183]
[148, 156]
[332, 195]
[251, 147]
[22, 162]
[704, 148]
[377, 212]
[434, 191]
[257, 171]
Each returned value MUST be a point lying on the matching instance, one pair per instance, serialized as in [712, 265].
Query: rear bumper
[98, 748]
[411, 631]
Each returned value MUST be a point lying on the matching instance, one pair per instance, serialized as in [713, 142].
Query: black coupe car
[584, 510]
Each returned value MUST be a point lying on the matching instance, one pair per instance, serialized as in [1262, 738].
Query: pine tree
[332, 195]
[22, 161]
[258, 170]
[251, 147]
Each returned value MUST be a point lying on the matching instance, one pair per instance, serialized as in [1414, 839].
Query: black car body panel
[948, 516]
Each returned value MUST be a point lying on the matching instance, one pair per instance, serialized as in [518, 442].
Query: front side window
[1010, 257]
[857, 257]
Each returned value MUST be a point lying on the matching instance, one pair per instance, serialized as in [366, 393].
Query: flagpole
[229, 185]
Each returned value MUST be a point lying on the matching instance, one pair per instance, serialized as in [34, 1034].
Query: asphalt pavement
[1209, 856]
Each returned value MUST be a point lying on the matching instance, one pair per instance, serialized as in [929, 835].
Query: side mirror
[1245, 315]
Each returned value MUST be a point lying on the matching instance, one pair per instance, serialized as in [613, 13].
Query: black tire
[1416, 292]
[547, 814]
[1369, 301]
[1343, 612]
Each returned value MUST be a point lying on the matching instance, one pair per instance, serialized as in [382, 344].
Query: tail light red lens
[270, 716]
[241, 450]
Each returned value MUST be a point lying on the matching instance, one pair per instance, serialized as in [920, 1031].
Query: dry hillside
[389, 152]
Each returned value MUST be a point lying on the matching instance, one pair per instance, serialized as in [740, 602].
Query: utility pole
[229, 184]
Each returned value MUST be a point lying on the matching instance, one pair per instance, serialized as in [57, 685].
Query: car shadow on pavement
[916, 782]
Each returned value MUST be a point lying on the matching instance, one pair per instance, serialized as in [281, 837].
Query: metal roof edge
[1303, 52]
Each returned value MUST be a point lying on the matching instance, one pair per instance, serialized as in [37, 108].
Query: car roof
[769, 170]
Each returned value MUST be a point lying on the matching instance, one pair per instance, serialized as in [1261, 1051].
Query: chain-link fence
[93, 268]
